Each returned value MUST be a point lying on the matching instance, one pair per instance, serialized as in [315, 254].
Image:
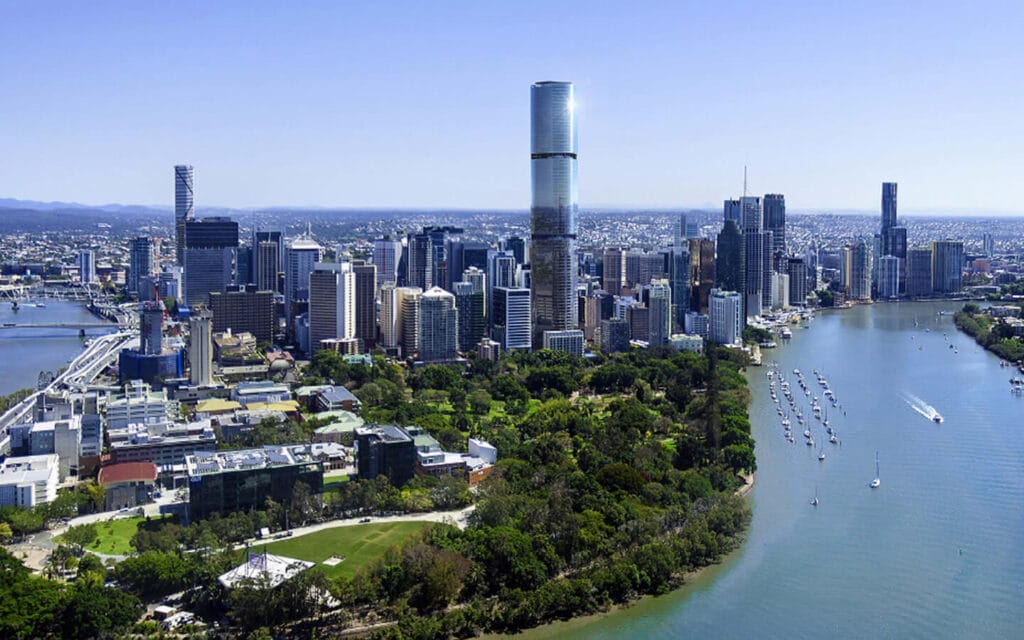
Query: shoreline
[550, 629]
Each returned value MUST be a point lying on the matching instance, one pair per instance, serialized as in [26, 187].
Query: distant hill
[72, 207]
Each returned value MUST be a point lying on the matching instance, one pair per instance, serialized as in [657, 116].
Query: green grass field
[114, 536]
[359, 545]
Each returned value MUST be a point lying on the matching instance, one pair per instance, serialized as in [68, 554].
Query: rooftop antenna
[744, 181]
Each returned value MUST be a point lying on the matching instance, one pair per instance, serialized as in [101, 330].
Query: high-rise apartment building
[420, 265]
[332, 303]
[889, 272]
[947, 266]
[775, 221]
[614, 269]
[919, 272]
[407, 302]
[754, 254]
[200, 348]
[210, 246]
[726, 317]
[679, 278]
[796, 268]
[554, 208]
[857, 270]
[389, 315]
[86, 266]
[140, 263]
[184, 207]
[439, 326]
[659, 301]
[366, 303]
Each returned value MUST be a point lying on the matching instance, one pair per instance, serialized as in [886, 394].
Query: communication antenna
[744, 181]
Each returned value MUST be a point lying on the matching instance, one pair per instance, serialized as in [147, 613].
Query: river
[24, 352]
[937, 551]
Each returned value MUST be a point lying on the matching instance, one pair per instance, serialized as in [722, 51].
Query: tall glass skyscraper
[888, 206]
[184, 207]
[775, 221]
[554, 209]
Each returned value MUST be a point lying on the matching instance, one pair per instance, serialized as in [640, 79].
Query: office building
[267, 261]
[726, 317]
[919, 272]
[151, 316]
[614, 335]
[947, 266]
[639, 318]
[554, 209]
[642, 267]
[200, 348]
[244, 310]
[170, 282]
[385, 450]
[780, 290]
[61, 435]
[501, 272]
[511, 318]
[303, 253]
[889, 271]
[140, 405]
[420, 265]
[702, 272]
[754, 242]
[689, 229]
[386, 255]
[775, 221]
[332, 303]
[439, 326]
[227, 482]
[659, 302]
[86, 266]
[730, 262]
[184, 208]
[28, 481]
[140, 263]
[366, 303]
[988, 245]
[614, 263]
[570, 341]
[732, 211]
[210, 248]
[796, 267]
[517, 246]
[888, 209]
[472, 323]
[408, 322]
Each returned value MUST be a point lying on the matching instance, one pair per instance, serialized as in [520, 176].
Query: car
[364, 521]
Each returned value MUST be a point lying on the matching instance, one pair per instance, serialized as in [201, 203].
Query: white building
[386, 254]
[726, 317]
[569, 341]
[140, 405]
[439, 326]
[889, 277]
[303, 254]
[684, 342]
[512, 318]
[28, 481]
[696, 324]
[780, 290]
[660, 317]
[200, 349]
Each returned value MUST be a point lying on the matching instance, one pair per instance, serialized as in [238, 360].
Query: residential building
[797, 270]
[570, 341]
[244, 310]
[408, 322]
[554, 209]
[726, 317]
[889, 281]
[141, 263]
[919, 272]
[472, 323]
[659, 302]
[947, 266]
[86, 266]
[200, 348]
[365, 303]
[775, 221]
[439, 326]
[697, 324]
[389, 315]
[140, 405]
[332, 303]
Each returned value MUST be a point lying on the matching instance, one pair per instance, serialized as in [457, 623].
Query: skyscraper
[303, 253]
[332, 303]
[389, 315]
[200, 349]
[726, 317]
[857, 270]
[140, 263]
[614, 270]
[679, 279]
[151, 318]
[184, 207]
[512, 318]
[731, 211]
[702, 272]
[386, 254]
[775, 221]
[797, 270]
[554, 208]
[889, 269]
[919, 272]
[407, 323]
[754, 254]
[659, 301]
[729, 265]
[439, 326]
[268, 259]
[888, 207]
[472, 324]
[210, 245]
[86, 266]
[243, 309]
[988, 245]
[947, 266]
[366, 303]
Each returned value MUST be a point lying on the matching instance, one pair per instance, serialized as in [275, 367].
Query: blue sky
[420, 104]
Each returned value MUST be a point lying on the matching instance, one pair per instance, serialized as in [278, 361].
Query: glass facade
[554, 208]
[184, 206]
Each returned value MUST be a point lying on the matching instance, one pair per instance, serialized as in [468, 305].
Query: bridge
[58, 325]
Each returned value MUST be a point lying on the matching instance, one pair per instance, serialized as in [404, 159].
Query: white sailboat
[814, 500]
[877, 482]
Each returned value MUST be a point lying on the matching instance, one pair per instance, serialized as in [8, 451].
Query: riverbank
[994, 334]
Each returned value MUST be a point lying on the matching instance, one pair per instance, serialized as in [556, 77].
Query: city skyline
[361, 102]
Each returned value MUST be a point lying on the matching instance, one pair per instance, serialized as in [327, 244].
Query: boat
[821, 455]
[937, 418]
[814, 500]
[833, 439]
[877, 482]
[810, 442]
[786, 333]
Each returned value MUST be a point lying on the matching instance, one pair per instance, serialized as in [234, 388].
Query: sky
[426, 104]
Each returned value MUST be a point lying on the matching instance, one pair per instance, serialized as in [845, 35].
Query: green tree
[80, 536]
[5, 532]
[93, 611]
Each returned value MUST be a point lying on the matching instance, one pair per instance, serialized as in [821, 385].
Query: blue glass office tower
[553, 212]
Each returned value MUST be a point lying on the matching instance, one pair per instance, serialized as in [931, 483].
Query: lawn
[358, 544]
[114, 536]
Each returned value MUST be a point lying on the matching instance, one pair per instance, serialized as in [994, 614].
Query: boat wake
[920, 406]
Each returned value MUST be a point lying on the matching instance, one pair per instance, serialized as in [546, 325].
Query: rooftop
[128, 472]
[209, 462]
[275, 569]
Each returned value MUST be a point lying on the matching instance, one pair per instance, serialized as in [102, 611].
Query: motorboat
[937, 418]
[877, 482]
